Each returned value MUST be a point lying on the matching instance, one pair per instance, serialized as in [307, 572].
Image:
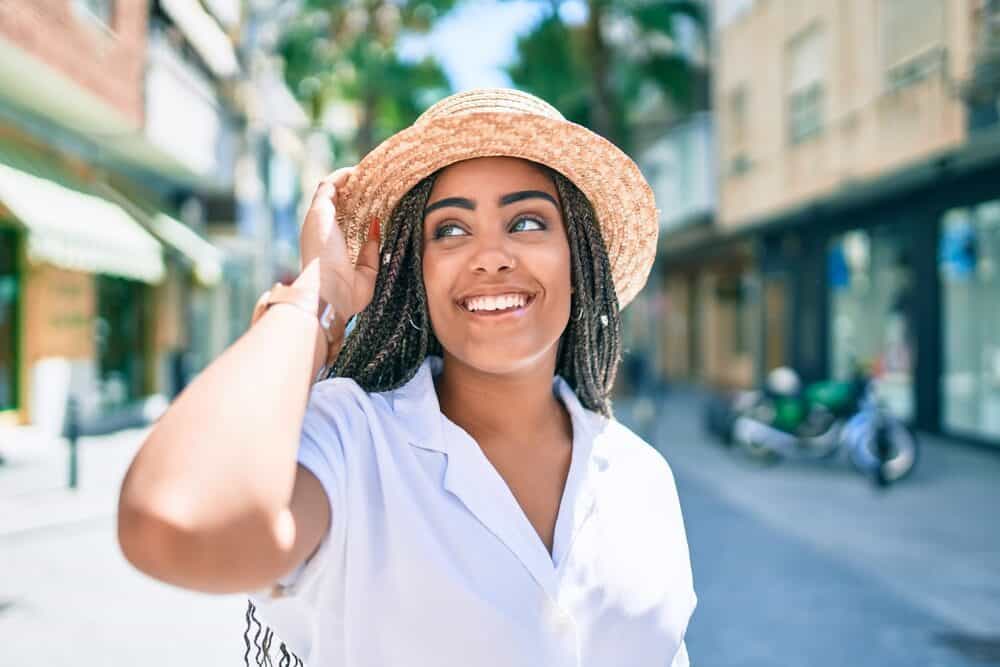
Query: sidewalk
[34, 480]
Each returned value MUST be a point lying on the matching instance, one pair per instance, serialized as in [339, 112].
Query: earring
[412, 324]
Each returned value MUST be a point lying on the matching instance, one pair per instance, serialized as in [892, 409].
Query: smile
[497, 304]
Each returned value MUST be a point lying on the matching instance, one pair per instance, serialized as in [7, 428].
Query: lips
[486, 304]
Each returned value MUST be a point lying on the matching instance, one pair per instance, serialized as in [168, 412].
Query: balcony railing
[680, 167]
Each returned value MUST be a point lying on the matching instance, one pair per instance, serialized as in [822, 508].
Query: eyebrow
[468, 204]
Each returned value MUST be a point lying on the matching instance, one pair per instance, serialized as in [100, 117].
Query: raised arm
[214, 500]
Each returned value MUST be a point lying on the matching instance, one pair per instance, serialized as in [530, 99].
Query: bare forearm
[214, 500]
[224, 453]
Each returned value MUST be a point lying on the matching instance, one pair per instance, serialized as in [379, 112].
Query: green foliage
[552, 64]
[343, 52]
[583, 71]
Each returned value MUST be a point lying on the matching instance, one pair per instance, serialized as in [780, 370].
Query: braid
[591, 348]
[393, 335]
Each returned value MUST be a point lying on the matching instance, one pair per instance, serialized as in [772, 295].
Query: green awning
[206, 260]
[74, 229]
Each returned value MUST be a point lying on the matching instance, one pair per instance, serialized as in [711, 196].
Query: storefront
[907, 290]
[74, 311]
[709, 316]
[10, 290]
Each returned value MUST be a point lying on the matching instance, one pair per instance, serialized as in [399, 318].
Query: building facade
[120, 131]
[858, 165]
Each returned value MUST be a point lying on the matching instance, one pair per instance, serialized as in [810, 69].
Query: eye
[527, 225]
[448, 229]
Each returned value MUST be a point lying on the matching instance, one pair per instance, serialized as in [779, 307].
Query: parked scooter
[785, 420]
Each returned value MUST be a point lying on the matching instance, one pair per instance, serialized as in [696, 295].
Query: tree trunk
[602, 108]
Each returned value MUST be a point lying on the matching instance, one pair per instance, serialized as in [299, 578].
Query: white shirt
[431, 561]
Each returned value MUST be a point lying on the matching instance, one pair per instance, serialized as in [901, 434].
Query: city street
[800, 564]
[796, 196]
[793, 565]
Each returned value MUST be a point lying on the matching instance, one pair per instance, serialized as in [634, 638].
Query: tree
[343, 52]
[621, 61]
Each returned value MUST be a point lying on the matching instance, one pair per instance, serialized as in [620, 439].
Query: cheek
[435, 274]
[552, 269]
[559, 274]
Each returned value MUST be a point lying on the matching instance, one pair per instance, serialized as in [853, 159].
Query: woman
[456, 492]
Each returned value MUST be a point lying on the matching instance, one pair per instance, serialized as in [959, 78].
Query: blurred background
[828, 179]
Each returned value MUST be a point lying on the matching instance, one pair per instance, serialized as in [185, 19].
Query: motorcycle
[785, 420]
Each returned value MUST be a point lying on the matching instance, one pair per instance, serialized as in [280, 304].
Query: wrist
[306, 300]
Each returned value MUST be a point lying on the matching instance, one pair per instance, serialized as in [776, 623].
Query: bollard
[73, 435]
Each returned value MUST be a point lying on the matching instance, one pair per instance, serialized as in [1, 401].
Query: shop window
[737, 131]
[121, 333]
[734, 293]
[9, 291]
[969, 265]
[806, 66]
[870, 275]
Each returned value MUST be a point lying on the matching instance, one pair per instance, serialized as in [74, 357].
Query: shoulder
[630, 459]
[343, 403]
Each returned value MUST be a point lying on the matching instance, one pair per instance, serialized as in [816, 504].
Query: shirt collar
[417, 403]
[470, 478]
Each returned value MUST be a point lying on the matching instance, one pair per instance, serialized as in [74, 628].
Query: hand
[325, 261]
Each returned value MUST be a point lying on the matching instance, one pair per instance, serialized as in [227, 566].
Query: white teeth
[499, 302]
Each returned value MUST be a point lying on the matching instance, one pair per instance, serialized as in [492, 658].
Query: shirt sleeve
[289, 608]
[321, 451]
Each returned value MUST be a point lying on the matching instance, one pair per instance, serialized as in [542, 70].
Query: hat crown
[490, 100]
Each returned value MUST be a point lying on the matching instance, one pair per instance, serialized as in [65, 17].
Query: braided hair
[393, 336]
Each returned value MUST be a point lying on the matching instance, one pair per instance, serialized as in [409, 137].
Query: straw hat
[505, 122]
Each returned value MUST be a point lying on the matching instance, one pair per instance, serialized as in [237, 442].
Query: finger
[366, 268]
[326, 189]
[368, 256]
[339, 177]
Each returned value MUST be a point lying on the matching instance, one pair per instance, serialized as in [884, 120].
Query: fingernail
[374, 231]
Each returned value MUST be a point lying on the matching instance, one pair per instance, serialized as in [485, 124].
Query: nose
[493, 256]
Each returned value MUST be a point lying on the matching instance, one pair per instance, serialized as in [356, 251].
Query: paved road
[802, 564]
[794, 565]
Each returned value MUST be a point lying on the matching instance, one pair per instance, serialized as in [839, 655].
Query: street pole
[73, 435]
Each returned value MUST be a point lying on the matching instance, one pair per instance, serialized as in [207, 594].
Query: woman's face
[496, 264]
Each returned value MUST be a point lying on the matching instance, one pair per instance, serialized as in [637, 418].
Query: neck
[510, 408]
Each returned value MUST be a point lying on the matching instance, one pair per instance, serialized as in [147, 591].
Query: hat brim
[621, 197]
